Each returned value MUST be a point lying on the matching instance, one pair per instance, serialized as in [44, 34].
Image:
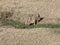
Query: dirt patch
[45, 36]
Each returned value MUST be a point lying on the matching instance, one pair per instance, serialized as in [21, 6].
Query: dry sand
[41, 36]
[49, 9]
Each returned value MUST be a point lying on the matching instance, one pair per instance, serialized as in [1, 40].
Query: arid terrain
[45, 36]
[49, 10]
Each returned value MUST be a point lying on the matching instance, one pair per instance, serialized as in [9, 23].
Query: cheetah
[32, 19]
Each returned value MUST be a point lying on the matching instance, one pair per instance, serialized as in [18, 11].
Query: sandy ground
[49, 9]
[45, 36]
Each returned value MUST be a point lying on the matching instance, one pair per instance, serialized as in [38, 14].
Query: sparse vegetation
[15, 24]
[47, 26]
[18, 24]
